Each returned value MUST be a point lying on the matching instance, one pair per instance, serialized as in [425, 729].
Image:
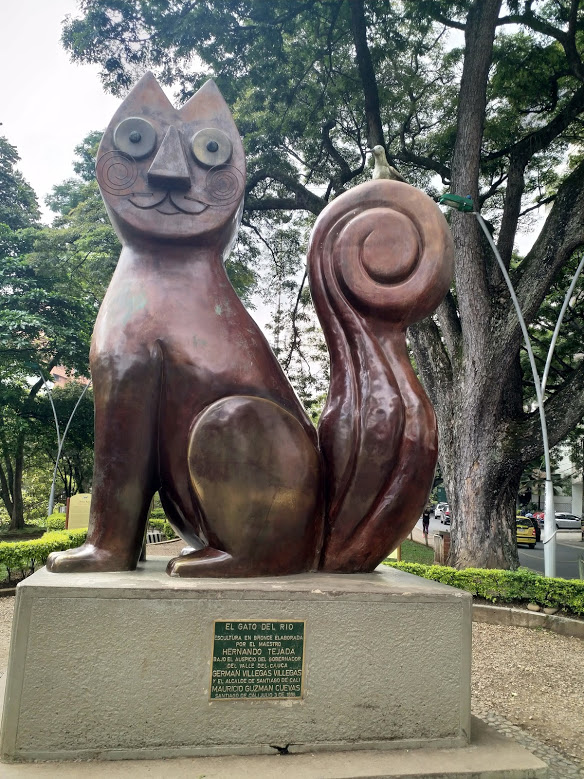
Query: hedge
[157, 514]
[163, 525]
[505, 586]
[56, 521]
[25, 556]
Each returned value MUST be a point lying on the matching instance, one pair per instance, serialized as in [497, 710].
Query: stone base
[118, 666]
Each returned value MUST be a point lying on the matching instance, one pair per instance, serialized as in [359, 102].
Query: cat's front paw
[86, 559]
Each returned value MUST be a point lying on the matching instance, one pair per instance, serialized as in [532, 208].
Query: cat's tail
[380, 258]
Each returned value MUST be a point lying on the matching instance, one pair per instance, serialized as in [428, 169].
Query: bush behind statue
[25, 556]
[505, 586]
[162, 524]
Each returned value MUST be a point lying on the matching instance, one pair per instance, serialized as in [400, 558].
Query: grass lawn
[413, 552]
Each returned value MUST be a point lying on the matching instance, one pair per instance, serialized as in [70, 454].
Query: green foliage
[47, 311]
[56, 521]
[18, 203]
[75, 468]
[157, 513]
[505, 586]
[162, 524]
[25, 556]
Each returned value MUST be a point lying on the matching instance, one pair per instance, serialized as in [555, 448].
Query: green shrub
[505, 586]
[157, 514]
[26, 556]
[56, 522]
[163, 525]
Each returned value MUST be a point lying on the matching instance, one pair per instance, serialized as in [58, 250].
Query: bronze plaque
[257, 659]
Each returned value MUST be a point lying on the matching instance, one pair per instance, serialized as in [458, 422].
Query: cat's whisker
[150, 205]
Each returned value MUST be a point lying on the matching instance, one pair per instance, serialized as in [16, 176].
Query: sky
[47, 103]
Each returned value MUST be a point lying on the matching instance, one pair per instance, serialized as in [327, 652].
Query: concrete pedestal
[118, 666]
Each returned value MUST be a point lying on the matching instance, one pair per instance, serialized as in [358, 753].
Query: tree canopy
[18, 203]
[46, 318]
[482, 98]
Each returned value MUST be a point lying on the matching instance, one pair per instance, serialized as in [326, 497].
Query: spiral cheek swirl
[116, 173]
[223, 185]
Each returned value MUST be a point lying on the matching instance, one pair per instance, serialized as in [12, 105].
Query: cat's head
[168, 174]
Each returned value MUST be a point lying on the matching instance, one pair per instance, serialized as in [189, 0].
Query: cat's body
[191, 402]
[182, 364]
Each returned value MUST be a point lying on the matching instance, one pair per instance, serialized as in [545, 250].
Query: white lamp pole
[549, 524]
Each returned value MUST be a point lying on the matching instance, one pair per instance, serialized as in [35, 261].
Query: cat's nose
[169, 168]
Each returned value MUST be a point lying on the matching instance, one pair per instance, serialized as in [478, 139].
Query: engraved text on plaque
[257, 659]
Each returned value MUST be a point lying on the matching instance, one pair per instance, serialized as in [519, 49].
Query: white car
[564, 520]
[439, 511]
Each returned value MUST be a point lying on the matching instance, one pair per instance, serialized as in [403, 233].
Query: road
[569, 549]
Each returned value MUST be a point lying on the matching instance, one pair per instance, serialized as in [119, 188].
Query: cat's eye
[136, 137]
[211, 147]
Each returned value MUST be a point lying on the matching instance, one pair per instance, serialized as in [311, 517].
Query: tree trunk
[17, 517]
[367, 73]
[476, 396]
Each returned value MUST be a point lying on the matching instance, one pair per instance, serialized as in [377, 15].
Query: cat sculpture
[190, 401]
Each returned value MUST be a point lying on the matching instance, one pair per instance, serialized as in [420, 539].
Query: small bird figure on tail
[382, 168]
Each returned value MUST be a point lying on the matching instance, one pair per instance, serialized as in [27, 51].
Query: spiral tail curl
[380, 258]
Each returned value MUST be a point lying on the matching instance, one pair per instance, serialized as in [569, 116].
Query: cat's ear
[146, 97]
[206, 105]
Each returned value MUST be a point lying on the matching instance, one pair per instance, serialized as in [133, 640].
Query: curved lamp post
[465, 204]
[60, 439]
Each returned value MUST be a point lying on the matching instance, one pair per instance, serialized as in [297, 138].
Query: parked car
[525, 531]
[564, 520]
[439, 510]
[446, 516]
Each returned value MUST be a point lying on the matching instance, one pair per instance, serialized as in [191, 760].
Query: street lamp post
[549, 528]
[60, 439]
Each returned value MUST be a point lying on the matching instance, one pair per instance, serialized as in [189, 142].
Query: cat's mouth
[168, 204]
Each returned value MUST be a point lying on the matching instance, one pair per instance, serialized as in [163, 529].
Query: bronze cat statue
[190, 400]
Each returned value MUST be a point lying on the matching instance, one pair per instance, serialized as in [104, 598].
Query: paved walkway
[560, 766]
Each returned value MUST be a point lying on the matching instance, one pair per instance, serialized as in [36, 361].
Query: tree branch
[295, 335]
[450, 328]
[470, 269]
[432, 361]
[512, 207]
[563, 411]
[566, 38]
[367, 73]
[405, 155]
[304, 199]
[562, 234]
[345, 170]
[539, 139]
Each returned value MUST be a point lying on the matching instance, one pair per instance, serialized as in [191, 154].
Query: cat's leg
[256, 476]
[127, 391]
